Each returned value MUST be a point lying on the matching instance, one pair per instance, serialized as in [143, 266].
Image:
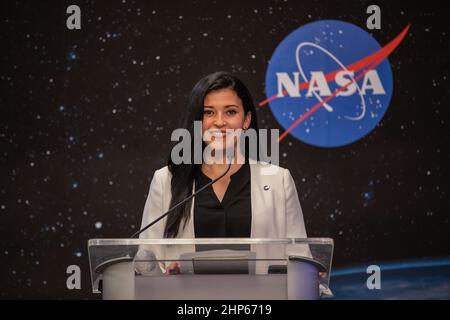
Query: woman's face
[222, 110]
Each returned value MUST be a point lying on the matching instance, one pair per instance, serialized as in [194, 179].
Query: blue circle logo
[329, 83]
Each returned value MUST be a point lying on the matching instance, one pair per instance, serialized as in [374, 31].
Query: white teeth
[218, 134]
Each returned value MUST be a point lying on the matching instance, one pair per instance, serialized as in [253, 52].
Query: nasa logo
[329, 83]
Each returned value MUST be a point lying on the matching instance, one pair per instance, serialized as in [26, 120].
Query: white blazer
[276, 211]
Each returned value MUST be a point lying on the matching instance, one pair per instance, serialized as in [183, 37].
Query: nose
[219, 121]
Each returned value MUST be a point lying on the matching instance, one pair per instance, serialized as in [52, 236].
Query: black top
[230, 218]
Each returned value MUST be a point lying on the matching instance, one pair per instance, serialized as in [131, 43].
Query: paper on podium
[218, 262]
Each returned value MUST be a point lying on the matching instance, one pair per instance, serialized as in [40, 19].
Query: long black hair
[183, 174]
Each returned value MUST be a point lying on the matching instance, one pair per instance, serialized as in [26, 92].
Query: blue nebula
[367, 195]
[72, 56]
[367, 198]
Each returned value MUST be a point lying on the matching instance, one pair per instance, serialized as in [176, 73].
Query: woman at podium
[249, 199]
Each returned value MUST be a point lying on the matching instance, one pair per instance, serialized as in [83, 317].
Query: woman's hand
[173, 268]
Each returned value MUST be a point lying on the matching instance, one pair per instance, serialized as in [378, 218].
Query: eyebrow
[227, 106]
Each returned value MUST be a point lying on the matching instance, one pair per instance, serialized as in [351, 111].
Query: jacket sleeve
[295, 225]
[152, 210]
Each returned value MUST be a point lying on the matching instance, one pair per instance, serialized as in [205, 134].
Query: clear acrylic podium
[211, 269]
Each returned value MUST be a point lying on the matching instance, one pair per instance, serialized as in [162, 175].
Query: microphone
[183, 201]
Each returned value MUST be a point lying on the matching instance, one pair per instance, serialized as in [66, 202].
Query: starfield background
[86, 118]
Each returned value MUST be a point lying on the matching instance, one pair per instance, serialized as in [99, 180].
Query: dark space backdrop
[86, 118]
